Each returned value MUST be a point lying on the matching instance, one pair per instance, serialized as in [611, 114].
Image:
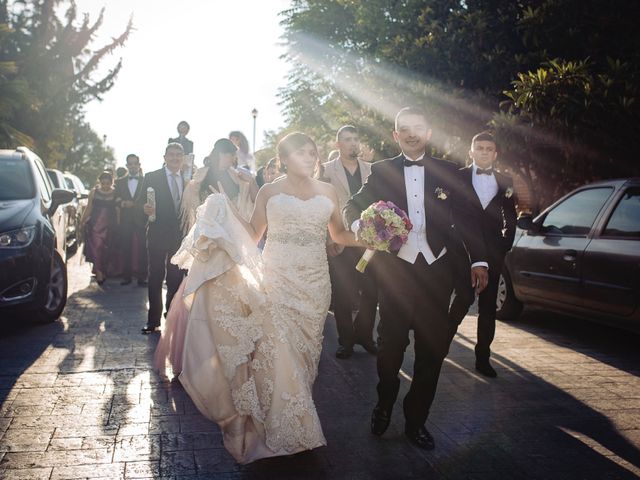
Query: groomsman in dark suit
[163, 233]
[415, 285]
[493, 193]
[132, 223]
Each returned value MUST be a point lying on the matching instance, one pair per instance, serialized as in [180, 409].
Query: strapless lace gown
[254, 336]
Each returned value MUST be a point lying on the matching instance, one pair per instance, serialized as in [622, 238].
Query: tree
[362, 61]
[88, 156]
[571, 122]
[56, 64]
[13, 95]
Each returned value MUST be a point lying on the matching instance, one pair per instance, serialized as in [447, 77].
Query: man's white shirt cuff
[480, 264]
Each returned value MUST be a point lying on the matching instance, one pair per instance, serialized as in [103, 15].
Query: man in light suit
[347, 174]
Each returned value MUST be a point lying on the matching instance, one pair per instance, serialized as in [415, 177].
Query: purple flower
[395, 244]
[384, 235]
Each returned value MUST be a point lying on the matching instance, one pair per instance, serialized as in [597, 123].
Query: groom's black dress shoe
[380, 419]
[126, 281]
[147, 330]
[421, 438]
[344, 352]
[485, 368]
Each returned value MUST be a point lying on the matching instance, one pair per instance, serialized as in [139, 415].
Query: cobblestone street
[79, 400]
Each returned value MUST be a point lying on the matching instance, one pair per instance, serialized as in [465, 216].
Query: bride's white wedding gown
[255, 326]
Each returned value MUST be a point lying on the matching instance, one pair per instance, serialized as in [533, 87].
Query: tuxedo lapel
[138, 187]
[399, 185]
[165, 191]
[468, 178]
[501, 189]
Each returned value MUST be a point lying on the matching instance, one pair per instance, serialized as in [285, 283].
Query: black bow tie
[484, 171]
[411, 163]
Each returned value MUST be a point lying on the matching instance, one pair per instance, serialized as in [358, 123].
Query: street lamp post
[254, 114]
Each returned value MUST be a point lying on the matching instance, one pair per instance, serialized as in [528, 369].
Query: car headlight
[17, 238]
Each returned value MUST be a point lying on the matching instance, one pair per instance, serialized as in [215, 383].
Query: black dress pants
[487, 312]
[160, 267]
[412, 297]
[133, 239]
[350, 287]
[464, 298]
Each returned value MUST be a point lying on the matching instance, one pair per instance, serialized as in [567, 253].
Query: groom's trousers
[412, 297]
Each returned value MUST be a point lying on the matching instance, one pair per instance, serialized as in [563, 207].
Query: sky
[209, 62]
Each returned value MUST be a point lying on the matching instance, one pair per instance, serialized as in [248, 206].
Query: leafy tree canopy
[549, 75]
[50, 73]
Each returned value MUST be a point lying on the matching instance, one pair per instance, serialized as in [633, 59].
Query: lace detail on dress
[266, 336]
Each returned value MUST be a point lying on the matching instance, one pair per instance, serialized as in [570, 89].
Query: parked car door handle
[570, 255]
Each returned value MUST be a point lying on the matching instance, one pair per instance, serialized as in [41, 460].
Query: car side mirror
[525, 222]
[59, 196]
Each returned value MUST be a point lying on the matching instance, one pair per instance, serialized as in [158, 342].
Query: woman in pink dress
[98, 222]
[243, 189]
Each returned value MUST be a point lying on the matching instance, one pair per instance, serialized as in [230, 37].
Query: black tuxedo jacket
[451, 222]
[498, 220]
[134, 215]
[165, 231]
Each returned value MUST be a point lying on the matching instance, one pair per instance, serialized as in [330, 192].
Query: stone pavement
[79, 400]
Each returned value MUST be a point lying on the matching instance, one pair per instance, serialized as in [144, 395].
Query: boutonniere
[441, 193]
[508, 192]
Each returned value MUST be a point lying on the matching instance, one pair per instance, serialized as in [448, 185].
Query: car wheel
[56, 291]
[508, 307]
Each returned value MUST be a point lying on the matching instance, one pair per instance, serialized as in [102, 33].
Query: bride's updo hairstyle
[289, 144]
[214, 175]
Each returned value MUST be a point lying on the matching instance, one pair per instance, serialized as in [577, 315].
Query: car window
[576, 214]
[625, 219]
[54, 178]
[16, 181]
[69, 183]
[43, 181]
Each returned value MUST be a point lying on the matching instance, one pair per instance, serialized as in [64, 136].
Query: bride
[255, 326]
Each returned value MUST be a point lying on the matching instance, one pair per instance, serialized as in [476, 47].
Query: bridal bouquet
[384, 226]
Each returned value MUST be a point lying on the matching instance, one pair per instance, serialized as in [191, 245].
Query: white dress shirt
[179, 181]
[417, 242]
[486, 186]
[132, 183]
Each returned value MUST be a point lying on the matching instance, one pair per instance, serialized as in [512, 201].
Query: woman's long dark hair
[214, 174]
[244, 143]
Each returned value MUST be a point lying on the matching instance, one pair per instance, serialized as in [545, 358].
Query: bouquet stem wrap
[364, 260]
[383, 226]
[151, 199]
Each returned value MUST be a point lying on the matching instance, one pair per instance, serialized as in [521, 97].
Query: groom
[415, 285]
